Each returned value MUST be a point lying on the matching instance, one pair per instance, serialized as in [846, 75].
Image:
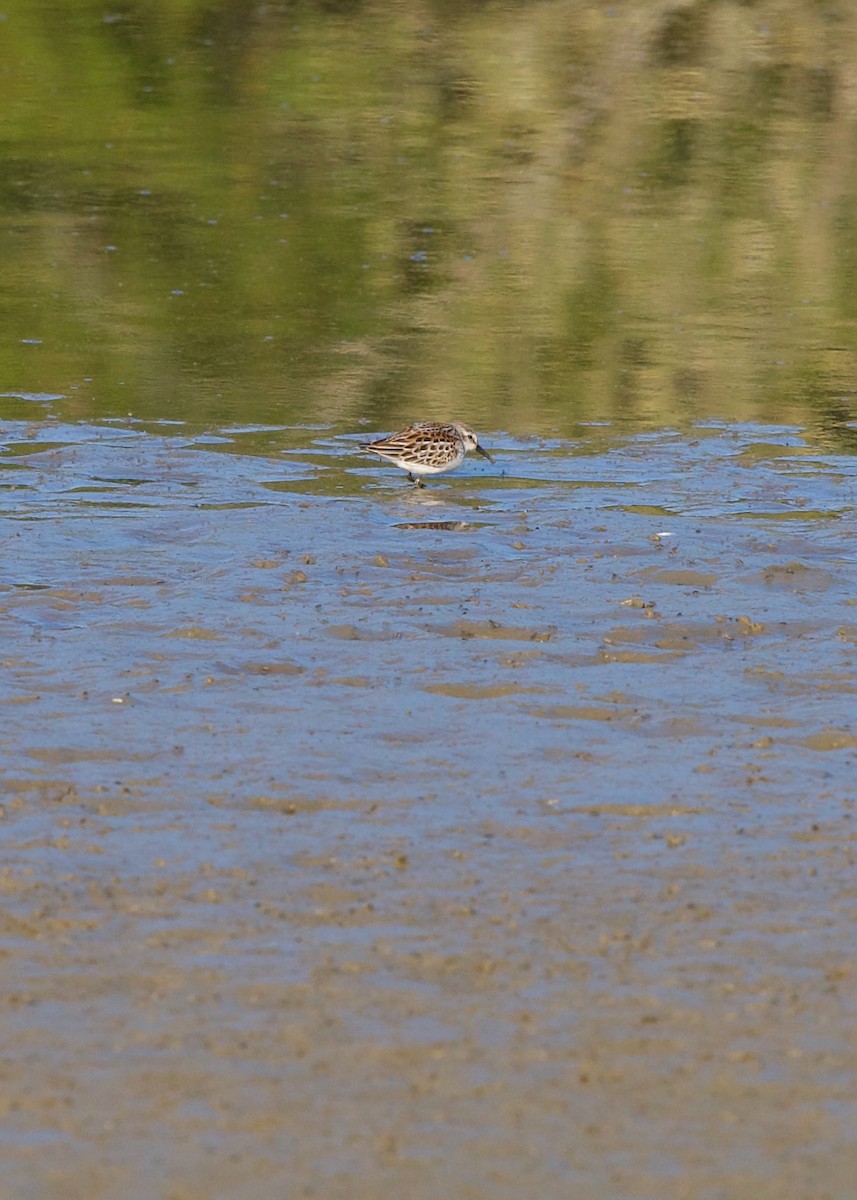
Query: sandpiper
[427, 448]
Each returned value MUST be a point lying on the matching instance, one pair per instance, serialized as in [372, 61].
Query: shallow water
[532, 787]
[171, 589]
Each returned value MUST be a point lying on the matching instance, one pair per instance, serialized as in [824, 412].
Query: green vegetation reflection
[525, 215]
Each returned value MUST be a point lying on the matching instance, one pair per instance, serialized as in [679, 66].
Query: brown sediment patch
[356, 633]
[290, 805]
[683, 636]
[493, 630]
[844, 683]
[51, 791]
[680, 578]
[133, 581]
[634, 810]
[798, 577]
[284, 667]
[627, 717]
[444, 526]
[830, 739]
[627, 635]
[196, 633]
[761, 721]
[76, 754]
[637, 656]
[752, 453]
[831, 682]
[470, 691]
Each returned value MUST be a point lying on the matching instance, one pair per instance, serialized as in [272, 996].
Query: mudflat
[490, 840]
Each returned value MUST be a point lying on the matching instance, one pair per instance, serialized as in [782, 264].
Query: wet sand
[495, 840]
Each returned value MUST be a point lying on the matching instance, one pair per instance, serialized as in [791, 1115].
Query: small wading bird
[427, 448]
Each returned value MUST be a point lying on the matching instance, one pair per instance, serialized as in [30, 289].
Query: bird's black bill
[484, 453]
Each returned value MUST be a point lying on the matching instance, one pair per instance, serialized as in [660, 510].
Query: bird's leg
[419, 482]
